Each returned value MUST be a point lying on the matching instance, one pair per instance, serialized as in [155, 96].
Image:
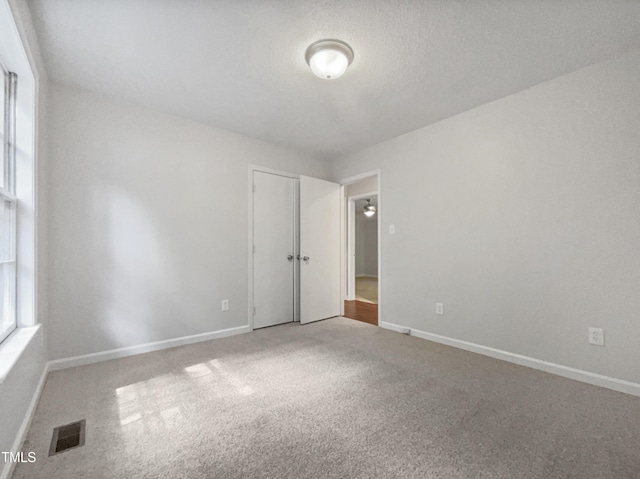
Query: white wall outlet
[225, 305]
[392, 229]
[439, 308]
[596, 336]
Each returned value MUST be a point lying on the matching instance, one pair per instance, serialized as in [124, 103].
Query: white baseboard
[142, 348]
[393, 327]
[608, 382]
[7, 471]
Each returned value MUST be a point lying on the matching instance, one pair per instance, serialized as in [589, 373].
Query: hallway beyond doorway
[365, 306]
[362, 252]
[361, 311]
[367, 289]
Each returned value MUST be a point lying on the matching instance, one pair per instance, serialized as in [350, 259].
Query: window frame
[8, 257]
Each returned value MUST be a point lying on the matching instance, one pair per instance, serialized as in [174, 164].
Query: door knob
[305, 258]
[290, 257]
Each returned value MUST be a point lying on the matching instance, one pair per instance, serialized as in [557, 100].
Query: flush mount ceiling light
[369, 209]
[329, 59]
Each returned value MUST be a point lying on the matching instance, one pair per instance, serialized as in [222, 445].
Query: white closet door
[320, 249]
[273, 257]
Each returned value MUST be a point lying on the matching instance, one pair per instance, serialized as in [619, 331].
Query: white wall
[359, 237]
[366, 241]
[148, 223]
[367, 185]
[17, 391]
[370, 246]
[529, 228]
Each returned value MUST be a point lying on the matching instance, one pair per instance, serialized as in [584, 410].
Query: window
[8, 203]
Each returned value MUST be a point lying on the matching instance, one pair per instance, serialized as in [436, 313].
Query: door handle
[305, 258]
[290, 257]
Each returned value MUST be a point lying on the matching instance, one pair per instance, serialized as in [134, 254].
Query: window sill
[12, 348]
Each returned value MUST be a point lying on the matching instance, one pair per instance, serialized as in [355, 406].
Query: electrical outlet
[225, 305]
[596, 336]
[439, 308]
[392, 229]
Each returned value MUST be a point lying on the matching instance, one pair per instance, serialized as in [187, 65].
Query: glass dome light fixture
[329, 59]
[369, 209]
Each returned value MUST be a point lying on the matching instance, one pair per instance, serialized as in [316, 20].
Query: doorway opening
[366, 250]
[362, 251]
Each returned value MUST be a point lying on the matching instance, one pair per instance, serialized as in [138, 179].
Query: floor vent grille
[67, 437]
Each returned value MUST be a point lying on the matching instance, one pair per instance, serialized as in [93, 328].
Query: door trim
[250, 239]
[343, 236]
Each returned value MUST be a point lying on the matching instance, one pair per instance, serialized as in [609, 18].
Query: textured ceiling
[239, 65]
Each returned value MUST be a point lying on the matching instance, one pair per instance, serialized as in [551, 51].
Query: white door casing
[274, 242]
[320, 208]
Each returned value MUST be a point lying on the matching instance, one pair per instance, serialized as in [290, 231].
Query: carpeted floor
[367, 289]
[334, 399]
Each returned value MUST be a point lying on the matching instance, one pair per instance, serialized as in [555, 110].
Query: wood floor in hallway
[365, 312]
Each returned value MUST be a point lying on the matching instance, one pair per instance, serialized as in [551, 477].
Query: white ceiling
[239, 65]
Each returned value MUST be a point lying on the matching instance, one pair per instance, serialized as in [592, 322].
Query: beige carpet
[334, 399]
[367, 289]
